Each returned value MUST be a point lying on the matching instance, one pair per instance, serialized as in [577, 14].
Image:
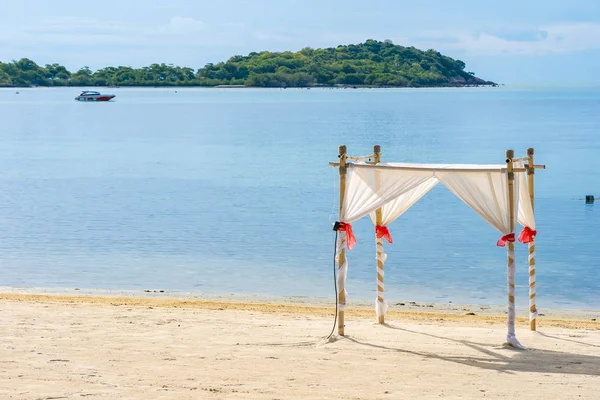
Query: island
[369, 64]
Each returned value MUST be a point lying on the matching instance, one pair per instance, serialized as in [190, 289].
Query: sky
[508, 41]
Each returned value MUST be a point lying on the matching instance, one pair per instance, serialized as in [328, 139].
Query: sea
[208, 190]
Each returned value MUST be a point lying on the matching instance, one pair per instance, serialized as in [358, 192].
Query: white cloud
[71, 32]
[552, 39]
[182, 39]
[90, 32]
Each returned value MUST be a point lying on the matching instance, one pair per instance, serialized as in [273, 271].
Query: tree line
[373, 63]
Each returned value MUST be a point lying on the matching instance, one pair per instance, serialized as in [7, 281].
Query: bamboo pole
[531, 247]
[511, 246]
[342, 155]
[434, 168]
[379, 242]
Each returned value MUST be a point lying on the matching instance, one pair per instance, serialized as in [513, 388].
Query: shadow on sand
[531, 360]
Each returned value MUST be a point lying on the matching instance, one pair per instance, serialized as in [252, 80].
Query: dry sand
[73, 347]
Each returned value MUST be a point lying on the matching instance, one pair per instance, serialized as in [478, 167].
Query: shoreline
[317, 87]
[337, 86]
[459, 314]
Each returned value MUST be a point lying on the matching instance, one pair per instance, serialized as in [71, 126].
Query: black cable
[335, 285]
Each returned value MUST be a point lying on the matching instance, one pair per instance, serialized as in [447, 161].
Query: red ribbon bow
[527, 235]
[506, 238]
[382, 231]
[350, 239]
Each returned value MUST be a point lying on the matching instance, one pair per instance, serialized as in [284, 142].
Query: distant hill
[373, 63]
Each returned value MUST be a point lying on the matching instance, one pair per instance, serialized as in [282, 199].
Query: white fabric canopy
[390, 212]
[369, 188]
[486, 192]
[526, 216]
[395, 187]
[398, 206]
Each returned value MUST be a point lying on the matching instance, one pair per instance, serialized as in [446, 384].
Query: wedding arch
[502, 194]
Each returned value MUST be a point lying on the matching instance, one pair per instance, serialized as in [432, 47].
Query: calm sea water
[212, 190]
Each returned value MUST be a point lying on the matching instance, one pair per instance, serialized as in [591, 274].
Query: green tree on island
[372, 63]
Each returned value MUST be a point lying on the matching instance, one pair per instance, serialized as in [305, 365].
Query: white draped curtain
[390, 211]
[486, 192]
[395, 208]
[368, 189]
[526, 216]
[395, 187]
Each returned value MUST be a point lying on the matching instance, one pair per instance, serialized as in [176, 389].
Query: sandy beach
[134, 347]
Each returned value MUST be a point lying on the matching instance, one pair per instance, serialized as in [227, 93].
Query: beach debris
[470, 313]
[214, 390]
[589, 199]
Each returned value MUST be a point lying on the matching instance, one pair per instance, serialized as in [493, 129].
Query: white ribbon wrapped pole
[342, 262]
[513, 200]
[533, 312]
[381, 305]
[511, 337]
[527, 219]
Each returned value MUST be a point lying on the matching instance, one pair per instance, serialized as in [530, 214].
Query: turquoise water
[212, 190]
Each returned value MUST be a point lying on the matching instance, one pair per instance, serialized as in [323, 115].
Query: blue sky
[509, 41]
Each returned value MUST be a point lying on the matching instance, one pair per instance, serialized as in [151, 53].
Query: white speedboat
[88, 95]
